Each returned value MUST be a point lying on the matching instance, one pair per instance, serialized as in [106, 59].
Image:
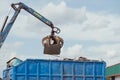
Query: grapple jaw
[52, 45]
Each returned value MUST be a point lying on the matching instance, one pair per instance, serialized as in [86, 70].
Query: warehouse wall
[117, 78]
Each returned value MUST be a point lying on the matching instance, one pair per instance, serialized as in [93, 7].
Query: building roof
[113, 70]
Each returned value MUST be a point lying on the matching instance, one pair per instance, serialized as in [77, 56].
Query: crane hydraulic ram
[48, 46]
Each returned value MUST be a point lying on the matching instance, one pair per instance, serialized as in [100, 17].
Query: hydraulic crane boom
[17, 7]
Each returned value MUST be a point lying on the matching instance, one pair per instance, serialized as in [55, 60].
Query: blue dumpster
[40, 69]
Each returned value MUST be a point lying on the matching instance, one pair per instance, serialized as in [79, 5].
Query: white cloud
[97, 27]
[89, 25]
[111, 54]
[29, 27]
[108, 52]
[7, 52]
[62, 14]
[72, 22]
[72, 52]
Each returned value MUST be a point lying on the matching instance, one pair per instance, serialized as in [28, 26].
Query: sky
[90, 28]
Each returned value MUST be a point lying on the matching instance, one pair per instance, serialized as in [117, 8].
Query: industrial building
[113, 72]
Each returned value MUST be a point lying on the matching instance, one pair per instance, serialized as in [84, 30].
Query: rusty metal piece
[52, 45]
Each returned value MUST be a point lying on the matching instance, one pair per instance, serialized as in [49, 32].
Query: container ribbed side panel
[57, 70]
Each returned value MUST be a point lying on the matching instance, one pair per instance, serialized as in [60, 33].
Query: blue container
[39, 69]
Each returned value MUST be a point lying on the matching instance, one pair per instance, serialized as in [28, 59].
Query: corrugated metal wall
[113, 70]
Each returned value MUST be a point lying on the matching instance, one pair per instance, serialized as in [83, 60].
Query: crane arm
[17, 7]
[33, 12]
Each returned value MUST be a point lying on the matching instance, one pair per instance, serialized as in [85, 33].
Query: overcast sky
[90, 28]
